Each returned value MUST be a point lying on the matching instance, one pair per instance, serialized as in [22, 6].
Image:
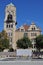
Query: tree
[39, 42]
[4, 35]
[1, 47]
[24, 43]
[4, 41]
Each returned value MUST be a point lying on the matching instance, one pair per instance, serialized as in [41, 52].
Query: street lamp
[33, 42]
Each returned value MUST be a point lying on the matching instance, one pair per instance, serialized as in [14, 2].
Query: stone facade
[31, 31]
[10, 23]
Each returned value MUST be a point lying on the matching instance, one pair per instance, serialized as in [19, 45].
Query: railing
[7, 54]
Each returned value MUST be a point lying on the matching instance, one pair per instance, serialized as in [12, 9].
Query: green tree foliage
[39, 42]
[24, 43]
[4, 41]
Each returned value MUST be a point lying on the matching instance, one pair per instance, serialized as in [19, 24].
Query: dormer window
[33, 29]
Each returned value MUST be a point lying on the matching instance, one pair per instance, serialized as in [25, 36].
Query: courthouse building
[31, 31]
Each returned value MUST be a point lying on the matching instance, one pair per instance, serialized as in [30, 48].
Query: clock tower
[10, 23]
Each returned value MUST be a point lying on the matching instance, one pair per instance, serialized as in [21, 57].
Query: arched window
[9, 17]
[33, 29]
[7, 26]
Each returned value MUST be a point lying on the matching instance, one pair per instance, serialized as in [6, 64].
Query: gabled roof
[18, 29]
[26, 27]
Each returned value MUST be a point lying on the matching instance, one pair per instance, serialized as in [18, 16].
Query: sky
[27, 11]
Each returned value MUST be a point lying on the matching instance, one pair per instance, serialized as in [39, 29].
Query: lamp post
[33, 44]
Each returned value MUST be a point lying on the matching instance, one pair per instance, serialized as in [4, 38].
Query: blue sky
[27, 11]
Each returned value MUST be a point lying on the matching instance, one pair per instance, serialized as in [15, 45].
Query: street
[21, 63]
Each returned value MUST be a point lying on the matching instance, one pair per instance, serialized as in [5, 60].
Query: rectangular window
[11, 25]
[10, 39]
[10, 34]
[25, 34]
[33, 34]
